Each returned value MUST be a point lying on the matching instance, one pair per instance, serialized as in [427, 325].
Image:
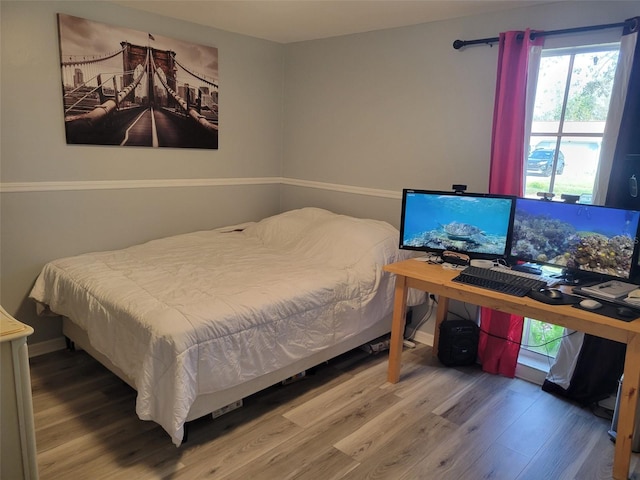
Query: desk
[437, 280]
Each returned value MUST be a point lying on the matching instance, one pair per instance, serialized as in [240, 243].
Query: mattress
[202, 312]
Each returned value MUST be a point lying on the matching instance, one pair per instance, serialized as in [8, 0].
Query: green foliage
[534, 186]
[589, 91]
[567, 186]
[540, 333]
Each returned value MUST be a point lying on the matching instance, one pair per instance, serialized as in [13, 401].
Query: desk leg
[627, 409]
[397, 329]
[441, 316]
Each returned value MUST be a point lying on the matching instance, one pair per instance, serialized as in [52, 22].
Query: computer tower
[458, 343]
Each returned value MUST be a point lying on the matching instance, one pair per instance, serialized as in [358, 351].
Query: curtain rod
[632, 23]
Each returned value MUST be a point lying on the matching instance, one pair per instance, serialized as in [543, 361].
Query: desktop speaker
[458, 343]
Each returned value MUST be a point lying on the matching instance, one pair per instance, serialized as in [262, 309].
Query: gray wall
[345, 123]
[401, 108]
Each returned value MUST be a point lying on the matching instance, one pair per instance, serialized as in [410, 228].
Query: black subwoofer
[458, 343]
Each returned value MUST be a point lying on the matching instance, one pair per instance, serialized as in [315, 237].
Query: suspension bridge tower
[134, 55]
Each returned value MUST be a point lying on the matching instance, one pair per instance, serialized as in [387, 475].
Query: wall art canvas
[131, 88]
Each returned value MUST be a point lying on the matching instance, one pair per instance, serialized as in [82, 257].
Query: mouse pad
[566, 298]
[610, 311]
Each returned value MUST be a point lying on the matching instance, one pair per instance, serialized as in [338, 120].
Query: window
[569, 115]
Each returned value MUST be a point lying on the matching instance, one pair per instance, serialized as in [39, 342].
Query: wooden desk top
[437, 280]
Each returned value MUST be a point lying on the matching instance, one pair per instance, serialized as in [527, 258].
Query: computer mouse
[625, 312]
[590, 304]
[552, 293]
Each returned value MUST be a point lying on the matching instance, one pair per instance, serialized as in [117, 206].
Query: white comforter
[198, 313]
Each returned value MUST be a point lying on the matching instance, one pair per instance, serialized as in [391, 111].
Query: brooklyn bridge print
[130, 88]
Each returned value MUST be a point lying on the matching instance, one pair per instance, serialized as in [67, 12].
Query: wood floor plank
[566, 451]
[330, 465]
[371, 439]
[360, 386]
[71, 394]
[419, 377]
[60, 365]
[96, 450]
[468, 443]
[402, 453]
[497, 462]
[203, 457]
[459, 407]
[316, 439]
[237, 446]
[53, 433]
[599, 461]
[543, 418]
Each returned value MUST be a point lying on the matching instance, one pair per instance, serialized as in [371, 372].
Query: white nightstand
[17, 432]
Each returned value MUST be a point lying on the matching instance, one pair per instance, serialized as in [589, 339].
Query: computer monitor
[588, 241]
[476, 224]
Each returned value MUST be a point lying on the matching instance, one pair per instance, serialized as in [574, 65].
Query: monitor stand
[527, 268]
[565, 276]
[581, 279]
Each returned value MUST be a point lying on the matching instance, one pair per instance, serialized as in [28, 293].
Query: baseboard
[48, 346]
[424, 338]
[532, 374]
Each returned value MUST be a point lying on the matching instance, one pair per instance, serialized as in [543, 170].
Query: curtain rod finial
[458, 44]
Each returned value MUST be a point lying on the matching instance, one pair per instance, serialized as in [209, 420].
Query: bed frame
[207, 404]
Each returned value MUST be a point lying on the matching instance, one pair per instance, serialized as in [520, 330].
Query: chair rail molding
[76, 185]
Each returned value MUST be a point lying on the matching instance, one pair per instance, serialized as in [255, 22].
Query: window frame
[560, 133]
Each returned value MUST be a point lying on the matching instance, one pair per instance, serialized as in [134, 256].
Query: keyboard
[501, 280]
[550, 281]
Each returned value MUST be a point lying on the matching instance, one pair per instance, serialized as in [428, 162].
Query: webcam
[546, 195]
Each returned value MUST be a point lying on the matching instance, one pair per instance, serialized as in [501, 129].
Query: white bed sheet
[202, 312]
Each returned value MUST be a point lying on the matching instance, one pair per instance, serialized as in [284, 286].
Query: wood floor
[341, 422]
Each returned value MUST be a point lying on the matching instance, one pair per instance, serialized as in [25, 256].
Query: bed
[196, 322]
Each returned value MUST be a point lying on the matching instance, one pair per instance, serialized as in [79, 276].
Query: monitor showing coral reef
[587, 238]
[476, 224]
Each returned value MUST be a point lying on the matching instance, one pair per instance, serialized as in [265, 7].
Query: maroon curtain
[501, 333]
